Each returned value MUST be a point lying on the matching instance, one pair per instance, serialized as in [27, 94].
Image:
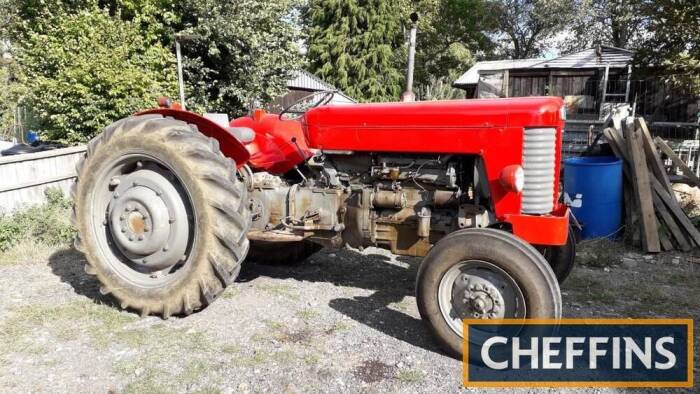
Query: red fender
[228, 143]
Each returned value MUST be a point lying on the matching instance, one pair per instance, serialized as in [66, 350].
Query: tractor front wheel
[483, 274]
[161, 215]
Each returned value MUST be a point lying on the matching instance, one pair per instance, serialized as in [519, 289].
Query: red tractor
[168, 203]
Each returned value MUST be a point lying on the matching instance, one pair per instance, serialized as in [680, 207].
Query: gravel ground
[343, 321]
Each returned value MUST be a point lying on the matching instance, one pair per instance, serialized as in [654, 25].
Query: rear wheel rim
[143, 220]
[476, 289]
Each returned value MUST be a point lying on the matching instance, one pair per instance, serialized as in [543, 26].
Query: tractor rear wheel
[282, 253]
[483, 274]
[161, 215]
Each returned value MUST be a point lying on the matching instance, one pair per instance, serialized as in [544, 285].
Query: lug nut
[116, 195]
[140, 237]
[165, 248]
[123, 230]
[131, 238]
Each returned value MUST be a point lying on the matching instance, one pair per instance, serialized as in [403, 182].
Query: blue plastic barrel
[593, 190]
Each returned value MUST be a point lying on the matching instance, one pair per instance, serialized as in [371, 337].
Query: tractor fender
[230, 146]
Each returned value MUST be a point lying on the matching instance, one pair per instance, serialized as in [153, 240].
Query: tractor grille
[539, 156]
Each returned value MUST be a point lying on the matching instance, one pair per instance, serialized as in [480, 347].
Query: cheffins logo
[578, 353]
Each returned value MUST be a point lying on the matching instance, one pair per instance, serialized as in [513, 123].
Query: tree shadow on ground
[390, 282]
[69, 266]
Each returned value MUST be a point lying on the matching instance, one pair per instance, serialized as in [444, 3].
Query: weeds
[48, 223]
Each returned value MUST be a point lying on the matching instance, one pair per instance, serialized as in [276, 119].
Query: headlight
[513, 178]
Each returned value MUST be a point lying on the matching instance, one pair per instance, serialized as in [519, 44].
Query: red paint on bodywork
[228, 143]
[542, 230]
[491, 128]
[272, 149]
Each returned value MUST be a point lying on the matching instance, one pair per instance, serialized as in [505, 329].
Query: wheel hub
[480, 298]
[147, 218]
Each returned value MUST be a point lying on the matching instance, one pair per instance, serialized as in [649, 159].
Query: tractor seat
[243, 134]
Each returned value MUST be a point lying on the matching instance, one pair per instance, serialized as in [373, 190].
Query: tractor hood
[417, 126]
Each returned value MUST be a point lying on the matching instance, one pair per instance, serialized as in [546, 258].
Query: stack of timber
[652, 212]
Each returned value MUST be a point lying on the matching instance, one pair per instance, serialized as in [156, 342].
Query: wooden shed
[591, 81]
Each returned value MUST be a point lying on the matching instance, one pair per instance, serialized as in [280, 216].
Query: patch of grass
[582, 283]
[307, 314]
[64, 321]
[231, 349]
[404, 305]
[603, 296]
[280, 289]
[273, 325]
[337, 327]
[208, 390]
[48, 223]
[230, 293]
[312, 359]
[410, 375]
[148, 384]
[599, 253]
[26, 251]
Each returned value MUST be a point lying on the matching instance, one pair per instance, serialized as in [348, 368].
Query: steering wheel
[325, 97]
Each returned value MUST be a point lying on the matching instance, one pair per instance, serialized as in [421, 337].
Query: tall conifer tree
[356, 45]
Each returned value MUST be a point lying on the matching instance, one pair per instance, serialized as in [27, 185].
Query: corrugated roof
[304, 80]
[472, 75]
[590, 58]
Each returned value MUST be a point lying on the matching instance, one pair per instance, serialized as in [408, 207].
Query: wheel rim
[478, 289]
[142, 220]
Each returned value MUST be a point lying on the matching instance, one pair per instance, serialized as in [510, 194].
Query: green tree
[674, 40]
[451, 34]
[528, 28]
[617, 23]
[357, 45]
[87, 69]
[238, 51]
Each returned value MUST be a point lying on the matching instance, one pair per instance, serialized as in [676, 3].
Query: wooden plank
[657, 166]
[642, 187]
[619, 148]
[666, 244]
[683, 242]
[677, 161]
[676, 210]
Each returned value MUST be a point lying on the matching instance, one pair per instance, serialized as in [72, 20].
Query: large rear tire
[161, 215]
[483, 273]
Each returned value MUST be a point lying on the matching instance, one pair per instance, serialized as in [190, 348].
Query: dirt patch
[343, 321]
[372, 371]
